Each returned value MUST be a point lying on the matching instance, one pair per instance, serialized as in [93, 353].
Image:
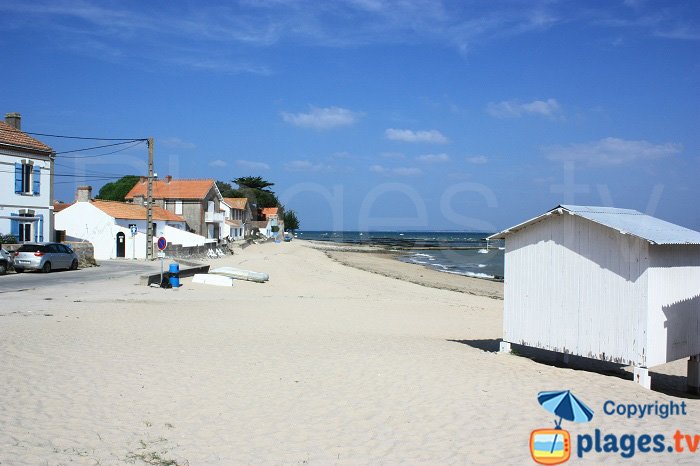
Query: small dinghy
[241, 274]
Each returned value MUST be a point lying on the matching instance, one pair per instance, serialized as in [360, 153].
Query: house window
[25, 231]
[28, 226]
[178, 207]
[27, 178]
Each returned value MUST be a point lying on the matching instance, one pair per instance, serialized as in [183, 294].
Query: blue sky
[370, 114]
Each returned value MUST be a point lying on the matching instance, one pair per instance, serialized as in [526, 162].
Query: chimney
[83, 194]
[168, 179]
[142, 179]
[14, 120]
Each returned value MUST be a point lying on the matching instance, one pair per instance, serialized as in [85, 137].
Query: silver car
[6, 259]
[45, 257]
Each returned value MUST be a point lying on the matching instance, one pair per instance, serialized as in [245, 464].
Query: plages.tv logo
[553, 446]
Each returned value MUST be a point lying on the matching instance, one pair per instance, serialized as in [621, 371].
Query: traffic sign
[162, 243]
[134, 230]
[161, 255]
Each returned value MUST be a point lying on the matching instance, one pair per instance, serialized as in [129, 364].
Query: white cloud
[477, 159]
[515, 109]
[252, 165]
[406, 135]
[321, 118]
[612, 151]
[433, 158]
[303, 166]
[176, 143]
[400, 171]
[218, 163]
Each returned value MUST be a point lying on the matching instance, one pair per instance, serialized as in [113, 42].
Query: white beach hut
[604, 283]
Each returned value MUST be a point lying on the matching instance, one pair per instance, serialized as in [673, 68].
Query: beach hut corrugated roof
[625, 221]
[604, 283]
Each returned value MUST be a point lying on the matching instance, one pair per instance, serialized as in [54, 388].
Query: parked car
[7, 255]
[4, 262]
[45, 257]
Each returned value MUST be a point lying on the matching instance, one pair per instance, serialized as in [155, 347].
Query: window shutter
[40, 228]
[37, 180]
[18, 178]
[14, 227]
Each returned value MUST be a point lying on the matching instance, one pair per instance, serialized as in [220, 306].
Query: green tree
[228, 191]
[253, 182]
[256, 190]
[291, 222]
[116, 190]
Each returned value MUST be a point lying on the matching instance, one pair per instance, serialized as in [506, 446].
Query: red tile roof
[11, 136]
[59, 206]
[175, 189]
[128, 211]
[267, 211]
[236, 202]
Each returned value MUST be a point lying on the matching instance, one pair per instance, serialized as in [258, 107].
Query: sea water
[460, 253]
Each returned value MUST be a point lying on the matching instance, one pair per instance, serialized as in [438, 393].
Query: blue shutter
[14, 227]
[40, 228]
[18, 178]
[37, 180]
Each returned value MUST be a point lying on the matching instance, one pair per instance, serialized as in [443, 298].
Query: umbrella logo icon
[553, 446]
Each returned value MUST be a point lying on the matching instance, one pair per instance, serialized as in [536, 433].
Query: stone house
[198, 201]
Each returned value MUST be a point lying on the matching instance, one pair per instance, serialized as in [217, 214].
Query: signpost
[134, 230]
[162, 244]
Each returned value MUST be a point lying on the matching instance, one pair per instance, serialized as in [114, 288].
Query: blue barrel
[174, 272]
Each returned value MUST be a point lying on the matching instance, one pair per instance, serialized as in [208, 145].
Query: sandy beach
[324, 364]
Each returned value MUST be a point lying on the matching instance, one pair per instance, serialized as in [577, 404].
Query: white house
[108, 226]
[274, 219]
[26, 183]
[237, 216]
[604, 283]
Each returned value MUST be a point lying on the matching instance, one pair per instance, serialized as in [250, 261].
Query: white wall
[12, 203]
[225, 230]
[574, 286]
[84, 221]
[185, 238]
[674, 302]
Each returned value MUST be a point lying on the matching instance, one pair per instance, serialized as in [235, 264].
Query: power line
[95, 172]
[138, 141]
[99, 147]
[68, 175]
[72, 137]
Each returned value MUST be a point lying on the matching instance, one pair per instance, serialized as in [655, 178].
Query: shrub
[8, 239]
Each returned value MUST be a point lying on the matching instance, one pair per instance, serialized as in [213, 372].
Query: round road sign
[162, 243]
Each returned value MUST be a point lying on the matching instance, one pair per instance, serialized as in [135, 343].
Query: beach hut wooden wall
[604, 283]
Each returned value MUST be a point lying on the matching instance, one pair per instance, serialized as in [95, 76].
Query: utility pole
[149, 203]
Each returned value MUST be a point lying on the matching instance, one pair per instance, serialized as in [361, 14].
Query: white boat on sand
[241, 274]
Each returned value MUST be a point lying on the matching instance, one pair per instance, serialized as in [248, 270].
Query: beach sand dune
[324, 364]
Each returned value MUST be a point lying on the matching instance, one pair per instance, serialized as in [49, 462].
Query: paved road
[107, 269]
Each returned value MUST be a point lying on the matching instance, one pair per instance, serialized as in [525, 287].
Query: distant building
[108, 226]
[238, 217]
[604, 283]
[26, 183]
[273, 216]
[197, 201]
